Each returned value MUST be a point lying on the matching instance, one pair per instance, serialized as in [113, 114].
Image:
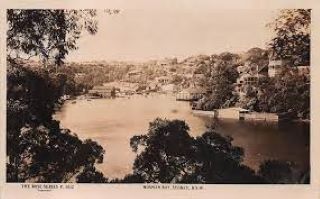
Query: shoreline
[212, 114]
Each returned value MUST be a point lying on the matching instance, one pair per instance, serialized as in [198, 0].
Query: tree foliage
[38, 150]
[292, 36]
[256, 56]
[49, 34]
[282, 172]
[288, 93]
[168, 154]
[221, 75]
[91, 175]
[171, 155]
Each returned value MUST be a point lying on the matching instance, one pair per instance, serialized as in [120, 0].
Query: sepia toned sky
[143, 34]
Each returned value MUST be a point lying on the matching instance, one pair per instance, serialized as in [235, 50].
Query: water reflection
[112, 122]
[283, 141]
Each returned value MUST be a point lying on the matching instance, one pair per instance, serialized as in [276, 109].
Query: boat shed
[231, 113]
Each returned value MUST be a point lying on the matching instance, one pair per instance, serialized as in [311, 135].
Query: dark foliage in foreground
[168, 154]
[281, 172]
[91, 175]
[38, 150]
[171, 155]
[48, 34]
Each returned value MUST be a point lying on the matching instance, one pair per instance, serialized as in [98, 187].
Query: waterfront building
[102, 91]
[231, 113]
[191, 94]
[244, 114]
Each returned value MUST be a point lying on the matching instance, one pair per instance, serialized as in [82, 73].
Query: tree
[278, 172]
[222, 75]
[292, 36]
[91, 175]
[38, 150]
[49, 34]
[171, 155]
[288, 93]
[250, 101]
[256, 56]
[164, 158]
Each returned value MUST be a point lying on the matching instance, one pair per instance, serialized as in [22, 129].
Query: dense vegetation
[168, 154]
[292, 36]
[93, 75]
[220, 75]
[39, 150]
[287, 93]
[47, 34]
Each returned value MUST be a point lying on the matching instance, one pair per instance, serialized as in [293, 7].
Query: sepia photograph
[183, 96]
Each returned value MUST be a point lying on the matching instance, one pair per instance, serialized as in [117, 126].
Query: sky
[144, 34]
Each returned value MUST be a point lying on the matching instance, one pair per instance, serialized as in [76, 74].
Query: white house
[190, 94]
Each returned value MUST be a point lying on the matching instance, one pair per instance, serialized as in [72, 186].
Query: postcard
[153, 99]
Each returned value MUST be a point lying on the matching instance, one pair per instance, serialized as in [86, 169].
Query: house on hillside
[275, 67]
[249, 76]
[164, 79]
[252, 68]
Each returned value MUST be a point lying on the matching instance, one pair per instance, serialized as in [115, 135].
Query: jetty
[237, 113]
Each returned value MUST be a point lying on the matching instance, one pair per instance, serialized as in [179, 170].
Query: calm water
[112, 122]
